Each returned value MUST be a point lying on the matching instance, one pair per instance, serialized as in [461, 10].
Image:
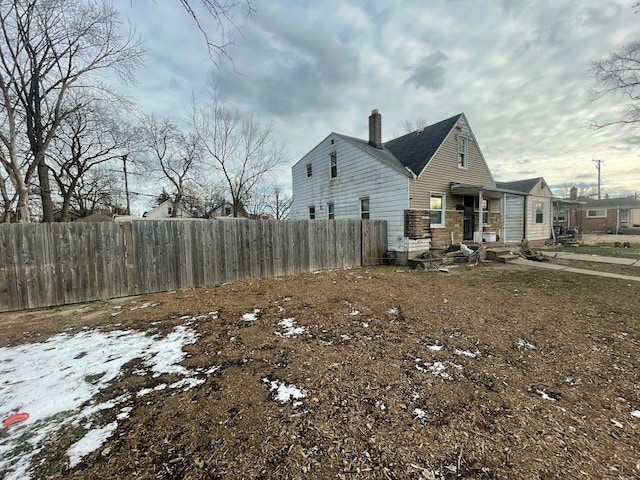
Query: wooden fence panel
[56, 264]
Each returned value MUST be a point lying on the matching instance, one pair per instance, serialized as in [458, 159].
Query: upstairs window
[170, 210]
[436, 205]
[312, 212]
[364, 208]
[331, 211]
[309, 170]
[539, 212]
[462, 152]
[334, 165]
[227, 211]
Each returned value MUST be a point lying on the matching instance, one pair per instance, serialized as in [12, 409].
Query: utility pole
[598, 166]
[126, 183]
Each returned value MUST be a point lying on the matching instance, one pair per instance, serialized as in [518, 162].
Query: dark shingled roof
[415, 149]
[613, 202]
[524, 186]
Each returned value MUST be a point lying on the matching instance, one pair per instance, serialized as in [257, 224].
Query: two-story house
[433, 186]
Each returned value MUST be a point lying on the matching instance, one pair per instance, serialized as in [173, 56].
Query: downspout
[480, 229]
[524, 219]
[617, 220]
[503, 220]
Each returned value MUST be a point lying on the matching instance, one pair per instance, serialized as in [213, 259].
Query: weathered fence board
[44, 265]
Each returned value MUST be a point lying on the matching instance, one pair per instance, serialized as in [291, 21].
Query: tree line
[70, 142]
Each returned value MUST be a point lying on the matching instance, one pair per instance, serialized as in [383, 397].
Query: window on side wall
[437, 206]
[462, 152]
[309, 170]
[539, 212]
[334, 165]
[599, 213]
[485, 211]
[312, 212]
[364, 208]
[331, 211]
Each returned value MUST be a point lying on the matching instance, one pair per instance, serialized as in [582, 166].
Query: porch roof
[488, 191]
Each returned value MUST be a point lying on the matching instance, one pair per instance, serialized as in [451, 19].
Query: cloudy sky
[518, 69]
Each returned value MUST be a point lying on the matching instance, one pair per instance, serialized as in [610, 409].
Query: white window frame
[312, 212]
[486, 211]
[309, 170]
[463, 159]
[442, 210]
[539, 210]
[364, 212]
[331, 211]
[598, 213]
[333, 165]
[560, 216]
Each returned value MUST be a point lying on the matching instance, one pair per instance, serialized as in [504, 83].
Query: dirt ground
[536, 378]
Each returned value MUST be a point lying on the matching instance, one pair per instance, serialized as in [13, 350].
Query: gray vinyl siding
[443, 169]
[359, 176]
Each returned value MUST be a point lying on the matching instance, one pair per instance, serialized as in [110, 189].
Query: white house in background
[529, 215]
[165, 210]
[432, 186]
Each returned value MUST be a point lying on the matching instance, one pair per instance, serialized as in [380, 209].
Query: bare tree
[411, 126]
[90, 136]
[619, 74]
[96, 191]
[48, 48]
[583, 189]
[177, 154]
[222, 12]
[241, 150]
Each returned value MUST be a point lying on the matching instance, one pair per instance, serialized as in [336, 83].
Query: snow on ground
[524, 345]
[635, 413]
[56, 383]
[251, 317]
[289, 328]
[283, 392]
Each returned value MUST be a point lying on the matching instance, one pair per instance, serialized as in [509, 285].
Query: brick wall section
[441, 237]
[416, 224]
[602, 224]
[494, 223]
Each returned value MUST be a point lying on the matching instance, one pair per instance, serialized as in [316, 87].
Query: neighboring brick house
[433, 186]
[608, 215]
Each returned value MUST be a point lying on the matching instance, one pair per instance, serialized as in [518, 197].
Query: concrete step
[502, 255]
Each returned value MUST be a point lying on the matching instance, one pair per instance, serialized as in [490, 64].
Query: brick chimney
[573, 193]
[375, 129]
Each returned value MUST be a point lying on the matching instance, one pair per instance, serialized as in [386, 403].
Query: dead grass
[535, 333]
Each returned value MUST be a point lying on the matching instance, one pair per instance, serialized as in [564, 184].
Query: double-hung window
[331, 211]
[334, 165]
[312, 212]
[437, 207]
[364, 208]
[485, 211]
[462, 152]
[539, 212]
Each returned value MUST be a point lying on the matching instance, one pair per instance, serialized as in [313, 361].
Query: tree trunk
[45, 188]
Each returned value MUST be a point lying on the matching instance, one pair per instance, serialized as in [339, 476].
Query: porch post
[480, 229]
[503, 221]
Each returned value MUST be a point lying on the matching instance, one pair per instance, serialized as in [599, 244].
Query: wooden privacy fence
[43, 265]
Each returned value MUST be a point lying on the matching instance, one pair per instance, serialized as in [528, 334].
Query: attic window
[462, 152]
[334, 165]
[332, 141]
[309, 170]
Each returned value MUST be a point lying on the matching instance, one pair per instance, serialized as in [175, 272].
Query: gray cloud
[430, 73]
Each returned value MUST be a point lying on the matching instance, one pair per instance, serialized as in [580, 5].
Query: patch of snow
[354, 313]
[545, 396]
[467, 353]
[283, 393]
[116, 313]
[635, 413]
[381, 405]
[187, 384]
[124, 413]
[524, 345]
[144, 305]
[345, 338]
[393, 311]
[365, 324]
[419, 413]
[251, 317]
[55, 382]
[435, 348]
[290, 329]
[92, 440]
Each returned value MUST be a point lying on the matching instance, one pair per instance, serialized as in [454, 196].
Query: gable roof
[415, 149]
[382, 154]
[525, 185]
